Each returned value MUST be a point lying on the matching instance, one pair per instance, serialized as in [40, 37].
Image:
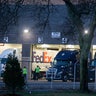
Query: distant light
[71, 47]
[86, 32]
[45, 46]
[15, 48]
[26, 31]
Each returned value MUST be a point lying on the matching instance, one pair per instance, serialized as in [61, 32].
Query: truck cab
[65, 65]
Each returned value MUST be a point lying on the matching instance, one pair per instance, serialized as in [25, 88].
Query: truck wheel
[65, 78]
[49, 80]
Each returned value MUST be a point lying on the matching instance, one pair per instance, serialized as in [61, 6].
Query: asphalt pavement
[44, 85]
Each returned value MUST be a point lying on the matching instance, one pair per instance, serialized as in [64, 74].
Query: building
[37, 46]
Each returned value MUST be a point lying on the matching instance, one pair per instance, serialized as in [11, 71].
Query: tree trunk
[84, 69]
[85, 40]
[13, 89]
[84, 52]
[85, 46]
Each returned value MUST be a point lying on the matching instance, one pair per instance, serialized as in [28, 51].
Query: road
[54, 85]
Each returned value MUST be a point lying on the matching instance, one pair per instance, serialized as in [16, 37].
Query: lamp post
[26, 46]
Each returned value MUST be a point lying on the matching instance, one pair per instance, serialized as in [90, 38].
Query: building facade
[40, 45]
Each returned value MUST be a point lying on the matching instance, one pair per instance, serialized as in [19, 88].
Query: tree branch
[75, 17]
[8, 14]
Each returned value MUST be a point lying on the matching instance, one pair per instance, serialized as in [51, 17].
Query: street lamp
[44, 46]
[26, 34]
[86, 31]
[26, 30]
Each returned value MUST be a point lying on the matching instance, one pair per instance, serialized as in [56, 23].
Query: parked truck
[66, 67]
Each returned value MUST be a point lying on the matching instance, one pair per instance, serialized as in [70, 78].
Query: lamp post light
[26, 30]
[26, 35]
[86, 31]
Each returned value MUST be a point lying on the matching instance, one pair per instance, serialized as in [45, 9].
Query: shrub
[12, 76]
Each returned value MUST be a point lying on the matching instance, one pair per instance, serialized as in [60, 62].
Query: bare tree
[83, 17]
[86, 9]
[9, 10]
[79, 14]
[41, 13]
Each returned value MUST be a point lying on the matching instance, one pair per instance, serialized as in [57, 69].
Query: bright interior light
[71, 47]
[94, 46]
[86, 31]
[26, 31]
[44, 46]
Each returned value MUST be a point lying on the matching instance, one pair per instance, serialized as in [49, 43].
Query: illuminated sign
[43, 58]
[55, 34]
